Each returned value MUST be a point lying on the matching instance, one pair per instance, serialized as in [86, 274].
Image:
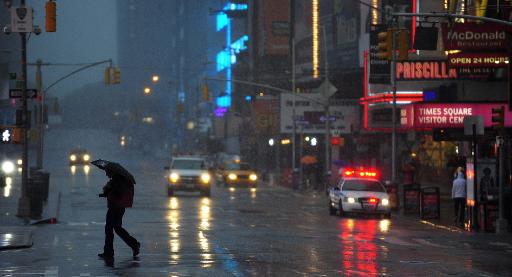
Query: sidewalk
[15, 237]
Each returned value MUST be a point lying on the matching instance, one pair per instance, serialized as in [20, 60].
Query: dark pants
[113, 223]
[459, 209]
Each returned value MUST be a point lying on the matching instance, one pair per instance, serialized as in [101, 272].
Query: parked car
[359, 192]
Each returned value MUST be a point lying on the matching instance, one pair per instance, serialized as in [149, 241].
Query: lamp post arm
[269, 87]
[450, 15]
[76, 71]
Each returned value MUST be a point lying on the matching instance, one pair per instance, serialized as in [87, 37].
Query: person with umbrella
[119, 192]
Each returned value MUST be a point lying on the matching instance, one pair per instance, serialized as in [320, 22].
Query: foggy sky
[86, 32]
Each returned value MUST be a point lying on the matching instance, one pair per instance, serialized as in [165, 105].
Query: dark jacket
[119, 192]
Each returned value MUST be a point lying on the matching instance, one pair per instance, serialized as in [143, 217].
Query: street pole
[24, 202]
[294, 132]
[393, 116]
[327, 121]
[501, 223]
[39, 83]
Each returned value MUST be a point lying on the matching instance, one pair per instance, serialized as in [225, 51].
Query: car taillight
[373, 200]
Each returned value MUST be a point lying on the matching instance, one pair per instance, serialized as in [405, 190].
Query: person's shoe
[136, 250]
[106, 256]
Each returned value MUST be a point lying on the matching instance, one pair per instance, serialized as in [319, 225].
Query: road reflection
[359, 252]
[204, 226]
[8, 186]
[173, 217]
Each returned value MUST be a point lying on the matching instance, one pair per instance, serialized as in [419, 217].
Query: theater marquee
[424, 70]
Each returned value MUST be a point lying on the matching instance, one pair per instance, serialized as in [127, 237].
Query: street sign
[22, 19]
[327, 89]
[18, 93]
[331, 118]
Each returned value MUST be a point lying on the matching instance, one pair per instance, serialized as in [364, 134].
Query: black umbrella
[115, 168]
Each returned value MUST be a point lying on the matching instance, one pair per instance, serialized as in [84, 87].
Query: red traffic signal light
[498, 117]
[337, 141]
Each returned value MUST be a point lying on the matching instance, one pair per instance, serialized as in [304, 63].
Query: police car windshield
[188, 164]
[363, 185]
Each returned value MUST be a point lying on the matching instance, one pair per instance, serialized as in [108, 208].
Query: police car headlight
[72, 158]
[253, 177]
[86, 157]
[174, 177]
[351, 200]
[385, 202]
[205, 178]
[232, 176]
[8, 167]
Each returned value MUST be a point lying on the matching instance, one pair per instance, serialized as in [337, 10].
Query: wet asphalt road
[272, 231]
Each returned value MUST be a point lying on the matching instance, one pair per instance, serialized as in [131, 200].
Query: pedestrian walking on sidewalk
[459, 197]
[119, 192]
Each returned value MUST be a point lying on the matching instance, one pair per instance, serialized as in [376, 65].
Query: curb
[18, 238]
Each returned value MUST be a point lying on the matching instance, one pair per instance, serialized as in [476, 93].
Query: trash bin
[43, 179]
[430, 205]
[411, 199]
[35, 195]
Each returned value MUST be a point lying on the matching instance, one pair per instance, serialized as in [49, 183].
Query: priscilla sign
[423, 115]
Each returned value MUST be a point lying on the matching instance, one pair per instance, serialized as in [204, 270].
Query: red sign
[424, 70]
[478, 60]
[474, 36]
[442, 115]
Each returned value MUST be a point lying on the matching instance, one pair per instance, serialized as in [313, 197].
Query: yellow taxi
[238, 175]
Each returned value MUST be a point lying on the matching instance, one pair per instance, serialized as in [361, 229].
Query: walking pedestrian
[459, 197]
[119, 193]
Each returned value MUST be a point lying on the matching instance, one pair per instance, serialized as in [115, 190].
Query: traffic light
[403, 45]
[116, 76]
[107, 76]
[206, 93]
[498, 117]
[51, 16]
[385, 45]
[180, 108]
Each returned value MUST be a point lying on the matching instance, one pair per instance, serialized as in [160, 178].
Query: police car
[359, 192]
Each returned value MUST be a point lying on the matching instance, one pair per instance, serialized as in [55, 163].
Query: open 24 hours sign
[443, 115]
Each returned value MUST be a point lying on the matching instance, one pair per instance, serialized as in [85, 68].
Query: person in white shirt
[459, 197]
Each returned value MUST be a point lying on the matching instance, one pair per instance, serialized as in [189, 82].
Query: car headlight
[385, 202]
[253, 177]
[351, 200]
[205, 178]
[19, 162]
[7, 167]
[232, 176]
[72, 158]
[86, 157]
[174, 177]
